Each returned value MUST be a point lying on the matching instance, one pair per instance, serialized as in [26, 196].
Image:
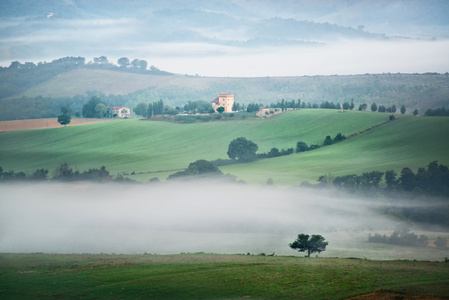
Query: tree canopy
[242, 149]
[198, 168]
[64, 119]
[92, 109]
[314, 244]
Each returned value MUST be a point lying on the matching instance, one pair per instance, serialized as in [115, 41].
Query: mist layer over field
[181, 217]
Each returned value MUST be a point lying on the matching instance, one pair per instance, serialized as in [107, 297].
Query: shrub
[301, 147]
[328, 141]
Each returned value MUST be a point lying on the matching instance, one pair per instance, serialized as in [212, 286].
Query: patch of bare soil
[384, 295]
[44, 123]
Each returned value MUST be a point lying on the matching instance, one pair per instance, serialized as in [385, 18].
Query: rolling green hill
[77, 82]
[407, 142]
[418, 90]
[27, 94]
[158, 148]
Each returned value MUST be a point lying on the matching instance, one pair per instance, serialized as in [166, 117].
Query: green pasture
[157, 148]
[407, 142]
[209, 276]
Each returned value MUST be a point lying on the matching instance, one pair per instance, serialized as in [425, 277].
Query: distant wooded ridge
[29, 90]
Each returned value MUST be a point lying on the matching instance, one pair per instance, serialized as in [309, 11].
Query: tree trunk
[308, 252]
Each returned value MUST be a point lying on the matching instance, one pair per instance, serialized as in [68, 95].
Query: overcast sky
[208, 42]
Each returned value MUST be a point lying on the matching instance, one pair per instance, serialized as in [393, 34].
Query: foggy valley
[234, 128]
[199, 216]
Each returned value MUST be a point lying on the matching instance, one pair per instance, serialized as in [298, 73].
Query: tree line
[433, 180]
[406, 238]
[242, 150]
[63, 173]
[437, 112]
[19, 76]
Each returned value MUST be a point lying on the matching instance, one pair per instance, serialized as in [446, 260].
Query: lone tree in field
[242, 149]
[403, 109]
[313, 244]
[64, 119]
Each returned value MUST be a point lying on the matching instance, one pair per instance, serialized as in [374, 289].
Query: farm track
[371, 128]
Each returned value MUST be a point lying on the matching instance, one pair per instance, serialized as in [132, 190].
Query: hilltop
[29, 91]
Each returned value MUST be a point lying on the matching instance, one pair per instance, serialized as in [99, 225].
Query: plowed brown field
[43, 123]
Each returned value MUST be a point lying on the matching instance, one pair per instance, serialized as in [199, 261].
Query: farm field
[157, 149]
[213, 276]
[407, 142]
[44, 123]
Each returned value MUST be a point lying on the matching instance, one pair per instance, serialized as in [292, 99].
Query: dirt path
[44, 123]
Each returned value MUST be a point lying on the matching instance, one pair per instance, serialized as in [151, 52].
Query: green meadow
[157, 148]
[212, 276]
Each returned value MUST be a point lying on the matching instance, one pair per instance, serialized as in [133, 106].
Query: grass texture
[209, 276]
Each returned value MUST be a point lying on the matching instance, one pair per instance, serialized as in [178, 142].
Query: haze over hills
[234, 38]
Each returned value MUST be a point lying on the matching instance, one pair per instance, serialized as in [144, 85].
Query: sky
[196, 40]
[339, 58]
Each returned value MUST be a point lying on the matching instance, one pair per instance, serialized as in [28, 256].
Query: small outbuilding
[121, 112]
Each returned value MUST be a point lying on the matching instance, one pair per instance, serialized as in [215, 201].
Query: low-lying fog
[171, 218]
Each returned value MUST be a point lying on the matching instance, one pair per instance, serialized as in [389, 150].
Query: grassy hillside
[420, 91]
[202, 276]
[149, 146]
[79, 81]
[407, 142]
[152, 146]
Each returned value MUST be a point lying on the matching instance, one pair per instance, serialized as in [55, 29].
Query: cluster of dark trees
[242, 150]
[406, 238]
[433, 180]
[203, 169]
[422, 186]
[284, 105]
[199, 106]
[438, 112]
[198, 168]
[400, 237]
[302, 146]
[252, 107]
[63, 173]
[96, 108]
[147, 110]
[390, 109]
